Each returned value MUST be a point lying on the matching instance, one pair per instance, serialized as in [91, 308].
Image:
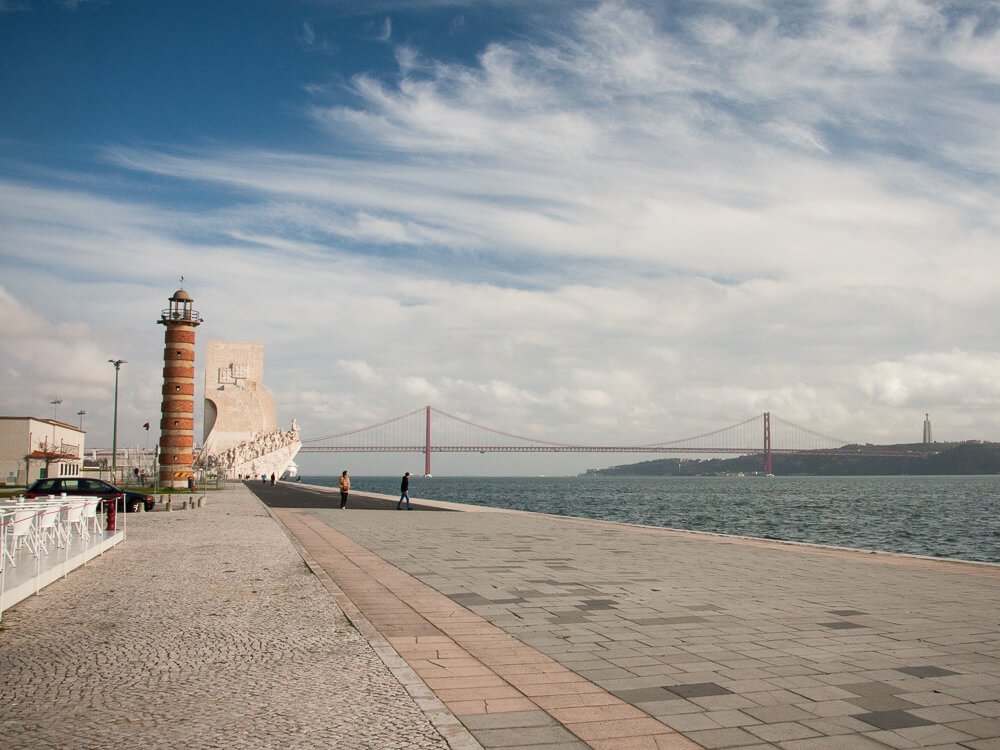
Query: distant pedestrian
[345, 488]
[404, 489]
[272, 479]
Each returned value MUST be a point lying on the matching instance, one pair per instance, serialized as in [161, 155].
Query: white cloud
[48, 359]
[924, 380]
[315, 41]
[973, 49]
[420, 388]
[308, 34]
[363, 371]
[386, 34]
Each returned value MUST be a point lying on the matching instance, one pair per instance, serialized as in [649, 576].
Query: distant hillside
[970, 457]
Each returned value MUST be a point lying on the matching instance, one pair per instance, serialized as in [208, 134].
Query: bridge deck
[566, 633]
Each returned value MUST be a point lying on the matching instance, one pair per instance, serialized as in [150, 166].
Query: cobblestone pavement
[204, 630]
[730, 642]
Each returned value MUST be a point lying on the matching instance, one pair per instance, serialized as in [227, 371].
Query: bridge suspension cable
[428, 430]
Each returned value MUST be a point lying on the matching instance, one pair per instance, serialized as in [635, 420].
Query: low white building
[31, 448]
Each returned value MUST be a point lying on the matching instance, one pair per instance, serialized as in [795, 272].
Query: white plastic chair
[6, 521]
[72, 517]
[21, 532]
[91, 518]
[47, 527]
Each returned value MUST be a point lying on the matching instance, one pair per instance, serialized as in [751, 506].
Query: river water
[952, 516]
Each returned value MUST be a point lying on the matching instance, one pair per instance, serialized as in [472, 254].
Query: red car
[127, 499]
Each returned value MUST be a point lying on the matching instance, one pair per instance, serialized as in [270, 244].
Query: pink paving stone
[486, 652]
[521, 658]
[428, 675]
[483, 693]
[466, 627]
[454, 681]
[510, 656]
[466, 708]
[455, 662]
[393, 630]
[670, 741]
[602, 698]
[402, 640]
[441, 649]
[561, 688]
[539, 668]
[540, 678]
[491, 706]
[596, 713]
[506, 705]
[424, 652]
[485, 639]
[616, 728]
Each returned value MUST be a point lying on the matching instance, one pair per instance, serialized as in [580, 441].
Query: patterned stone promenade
[493, 629]
[203, 630]
[552, 633]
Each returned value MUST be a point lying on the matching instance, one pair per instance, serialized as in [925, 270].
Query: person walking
[404, 489]
[345, 487]
[272, 479]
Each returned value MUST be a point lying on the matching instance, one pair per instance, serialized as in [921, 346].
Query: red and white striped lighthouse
[177, 410]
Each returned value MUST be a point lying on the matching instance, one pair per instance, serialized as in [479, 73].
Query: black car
[127, 499]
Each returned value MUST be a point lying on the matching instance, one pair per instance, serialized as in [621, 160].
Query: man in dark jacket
[404, 489]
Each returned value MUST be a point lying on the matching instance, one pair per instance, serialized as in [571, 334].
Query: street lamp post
[81, 414]
[55, 418]
[114, 433]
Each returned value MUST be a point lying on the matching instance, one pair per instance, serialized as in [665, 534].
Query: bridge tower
[768, 464]
[177, 409]
[427, 445]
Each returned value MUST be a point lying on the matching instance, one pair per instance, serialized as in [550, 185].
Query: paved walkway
[203, 630]
[561, 633]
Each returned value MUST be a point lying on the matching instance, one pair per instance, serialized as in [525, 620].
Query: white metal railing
[43, 539]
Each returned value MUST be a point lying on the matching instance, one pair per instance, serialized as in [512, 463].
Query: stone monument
[241, 437]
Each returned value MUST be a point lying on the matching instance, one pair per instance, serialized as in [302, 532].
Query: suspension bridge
[429, 430]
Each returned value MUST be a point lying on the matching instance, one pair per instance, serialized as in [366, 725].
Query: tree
[48, 454]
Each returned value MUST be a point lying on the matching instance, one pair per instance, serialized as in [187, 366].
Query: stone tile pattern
[508, 694]
[733, 643]
[204, 629]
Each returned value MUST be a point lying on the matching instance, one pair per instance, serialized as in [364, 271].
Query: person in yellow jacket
[345, 487]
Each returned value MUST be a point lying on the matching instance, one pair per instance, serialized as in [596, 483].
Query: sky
[594, 222]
